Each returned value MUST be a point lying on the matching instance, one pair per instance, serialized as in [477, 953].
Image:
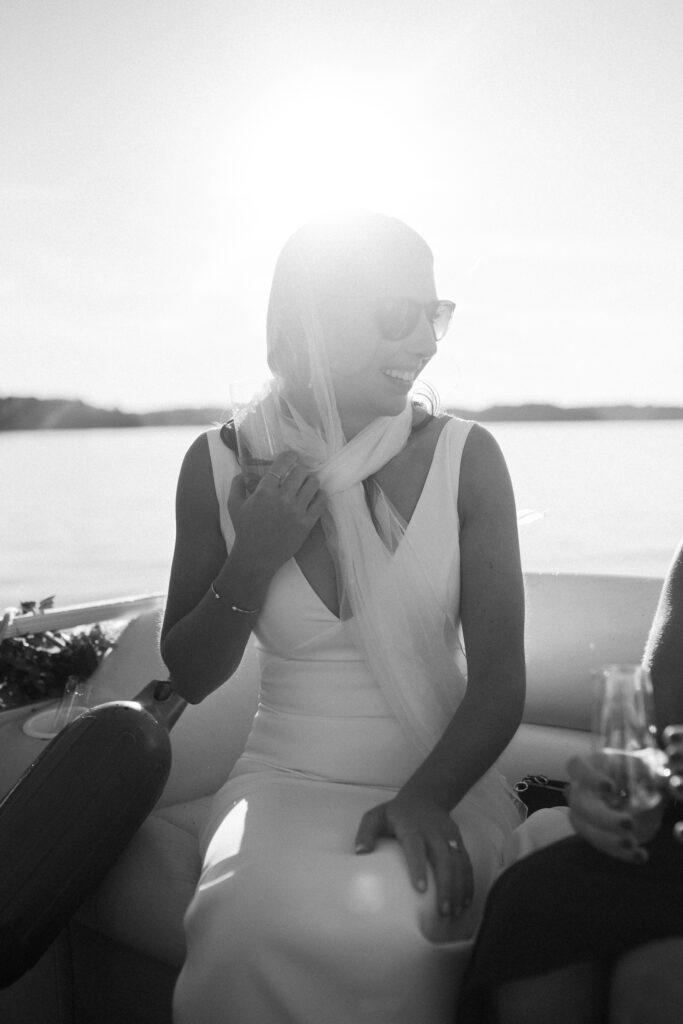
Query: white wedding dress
[288, 924]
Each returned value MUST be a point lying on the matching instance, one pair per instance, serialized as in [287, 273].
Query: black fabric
[538, 791]
[568, 903]
[229, 435]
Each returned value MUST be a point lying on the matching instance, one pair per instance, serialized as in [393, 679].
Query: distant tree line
[73, 414]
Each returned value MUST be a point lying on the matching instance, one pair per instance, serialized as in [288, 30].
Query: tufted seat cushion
[142, 900]
[574, 626]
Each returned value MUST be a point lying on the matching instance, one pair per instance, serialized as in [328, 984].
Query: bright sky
[156, 155]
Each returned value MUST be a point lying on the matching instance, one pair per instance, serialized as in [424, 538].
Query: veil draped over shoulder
[409, 639]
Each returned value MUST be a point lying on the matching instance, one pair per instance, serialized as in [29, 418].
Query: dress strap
[457, 432]
[225, 468]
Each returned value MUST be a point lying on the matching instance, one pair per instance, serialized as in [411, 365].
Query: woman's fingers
[428, 840]
[237, 496]
[673, 735]
[310, 494]
[673, 741]
[621, 844]
[371, 827]
[274, 519]
[590, 805]
[295, 484]
[453, 873]
[590, 773]
[608, 829]
[282, 466]
[416, 858]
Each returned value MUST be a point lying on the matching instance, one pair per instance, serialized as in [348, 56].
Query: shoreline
[27, 413]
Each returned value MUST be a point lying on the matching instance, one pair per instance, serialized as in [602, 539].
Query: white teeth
[405, 375]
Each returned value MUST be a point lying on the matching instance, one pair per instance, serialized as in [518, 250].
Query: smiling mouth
[405, 376]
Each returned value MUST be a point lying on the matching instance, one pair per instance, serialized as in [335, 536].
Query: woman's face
[371, 374]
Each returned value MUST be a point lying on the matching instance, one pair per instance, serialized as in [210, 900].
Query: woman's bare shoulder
[484, 476]
[481, 451]
[425, 434]
[481, 448]
[196, 493]
[673, 583]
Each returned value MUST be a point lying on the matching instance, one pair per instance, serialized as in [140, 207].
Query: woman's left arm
[492, 616]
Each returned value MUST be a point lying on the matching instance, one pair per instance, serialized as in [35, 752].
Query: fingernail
[421, 885]
[360, 848]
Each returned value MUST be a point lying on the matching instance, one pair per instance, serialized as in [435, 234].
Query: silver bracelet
[234, 607]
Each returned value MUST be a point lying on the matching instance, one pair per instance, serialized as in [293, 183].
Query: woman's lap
[282, 864]
[570, 904]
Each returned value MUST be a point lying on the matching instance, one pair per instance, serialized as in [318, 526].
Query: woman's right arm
[202, 637]
[202, 640]
[664, 648]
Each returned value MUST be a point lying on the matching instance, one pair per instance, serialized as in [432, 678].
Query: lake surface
[88, 514]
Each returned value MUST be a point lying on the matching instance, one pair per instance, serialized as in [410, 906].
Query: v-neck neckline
[409, 524]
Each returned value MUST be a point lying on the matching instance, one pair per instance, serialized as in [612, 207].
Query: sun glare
[328, 146]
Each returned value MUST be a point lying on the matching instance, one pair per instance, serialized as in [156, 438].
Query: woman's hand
[274, 520]
[428, 835]
[673, 744]
[606, 828]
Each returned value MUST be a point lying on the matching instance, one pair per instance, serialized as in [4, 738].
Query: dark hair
[228, 435]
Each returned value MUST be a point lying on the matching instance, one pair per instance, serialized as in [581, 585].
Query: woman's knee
[647, 984]
[571, 994]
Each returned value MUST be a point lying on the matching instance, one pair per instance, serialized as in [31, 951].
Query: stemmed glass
[627, 739]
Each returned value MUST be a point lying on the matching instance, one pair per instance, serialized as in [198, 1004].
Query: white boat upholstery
[575, 625]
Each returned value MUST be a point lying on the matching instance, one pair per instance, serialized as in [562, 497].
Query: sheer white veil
[386, 597]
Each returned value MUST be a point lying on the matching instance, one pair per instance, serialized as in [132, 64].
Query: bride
[347, 858]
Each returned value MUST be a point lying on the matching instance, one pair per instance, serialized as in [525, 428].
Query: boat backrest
[575, 625]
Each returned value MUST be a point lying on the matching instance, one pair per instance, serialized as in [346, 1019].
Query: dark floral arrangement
[40, 666]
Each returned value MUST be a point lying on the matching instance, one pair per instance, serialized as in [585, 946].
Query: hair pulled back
[320, 267]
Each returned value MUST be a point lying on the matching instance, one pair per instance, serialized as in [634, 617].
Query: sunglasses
[397, 318]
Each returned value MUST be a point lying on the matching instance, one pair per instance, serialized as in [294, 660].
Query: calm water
[89, 514]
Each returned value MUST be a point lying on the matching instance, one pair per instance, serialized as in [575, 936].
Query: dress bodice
[289, 628]
[321, 712]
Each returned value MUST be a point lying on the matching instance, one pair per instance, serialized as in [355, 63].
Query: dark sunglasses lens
[441, 318]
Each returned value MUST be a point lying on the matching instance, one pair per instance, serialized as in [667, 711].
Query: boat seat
[142, 900]
[575, 625]
[570, 634]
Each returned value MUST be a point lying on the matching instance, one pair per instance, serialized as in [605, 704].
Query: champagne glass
[75, 700]
[627, 738]
[253, 403]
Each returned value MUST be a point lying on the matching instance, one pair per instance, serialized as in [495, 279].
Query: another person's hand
[274, 520]
[428, 835]
[608, 829]
[673, 744]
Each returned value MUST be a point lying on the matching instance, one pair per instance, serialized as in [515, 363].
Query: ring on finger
[290, 469]
[269, 472]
